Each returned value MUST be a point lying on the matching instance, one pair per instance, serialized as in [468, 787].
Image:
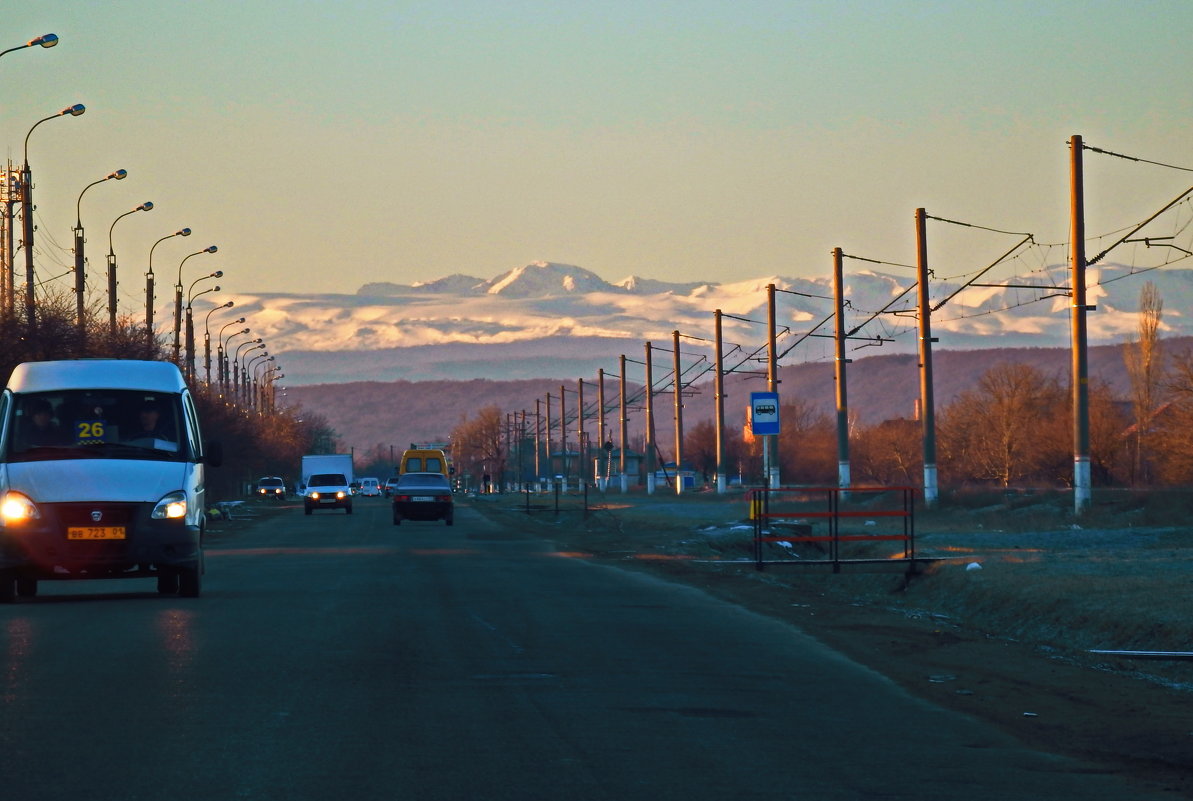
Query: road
[337, 657]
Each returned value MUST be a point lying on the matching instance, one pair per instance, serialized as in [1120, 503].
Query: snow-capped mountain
[546, 319]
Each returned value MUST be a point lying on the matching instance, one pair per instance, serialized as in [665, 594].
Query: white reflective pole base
[1081, 485]
[930, 486]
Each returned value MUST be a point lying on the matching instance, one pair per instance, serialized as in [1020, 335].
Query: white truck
[327, 463]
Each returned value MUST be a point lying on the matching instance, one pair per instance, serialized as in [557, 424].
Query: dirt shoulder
[1008, 641]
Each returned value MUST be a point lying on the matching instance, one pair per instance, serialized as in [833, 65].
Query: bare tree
[807, 444]
[1144, 360]
[1174, 461]
[477, 444]
[890, 453]
[1006, 430]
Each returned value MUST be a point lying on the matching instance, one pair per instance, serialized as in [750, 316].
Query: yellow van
[424, 460]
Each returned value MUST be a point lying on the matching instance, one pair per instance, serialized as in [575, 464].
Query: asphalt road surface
[340, 657]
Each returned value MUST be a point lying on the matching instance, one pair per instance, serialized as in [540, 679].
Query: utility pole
[581, 466]
[927, 403]
[8, 279]
[770, 443]
[678, 413]
[719, 392]
[547, 430]
[1081, 471]
[538, 430]
[622, 427]
[842, 396]
[601, 426]
[563, 432]
[649, 435]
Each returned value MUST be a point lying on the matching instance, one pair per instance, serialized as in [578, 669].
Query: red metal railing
[824, 515]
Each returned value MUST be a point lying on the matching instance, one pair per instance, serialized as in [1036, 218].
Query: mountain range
[559, 321]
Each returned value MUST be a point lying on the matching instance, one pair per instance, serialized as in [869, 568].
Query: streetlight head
[218, 274]
[215, 288]
[74, 111]
[229, 304]
[48, 40]
[245, 331]
[146, 206]
[184, 232]
[119, 175]
[210, 249]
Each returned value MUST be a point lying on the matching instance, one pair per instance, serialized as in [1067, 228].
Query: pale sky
[323, 145]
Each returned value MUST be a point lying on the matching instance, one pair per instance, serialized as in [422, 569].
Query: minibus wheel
[190, 585]
[8, 586]
[167, 582]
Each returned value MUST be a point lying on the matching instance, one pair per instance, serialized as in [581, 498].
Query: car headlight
[16, 508]
[313, 495]
[340, 495]
[170, 507]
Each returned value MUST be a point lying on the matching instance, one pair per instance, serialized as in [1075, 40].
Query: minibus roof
[96, 374]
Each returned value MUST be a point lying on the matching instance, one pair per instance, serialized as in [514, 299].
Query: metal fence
[837, 525]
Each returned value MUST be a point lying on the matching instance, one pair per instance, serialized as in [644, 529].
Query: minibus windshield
[96, 424]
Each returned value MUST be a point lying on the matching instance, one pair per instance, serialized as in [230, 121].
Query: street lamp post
[262, 383]
[207, 338]
[80, 260]
[236, 371]
[146, 206]
[27, 212]
[251, 382]
[246, 376]
[272, 403]
[149, 287]
[46, 40]
[178, 301]
[7, 285]
[221, 357]
[190, 326]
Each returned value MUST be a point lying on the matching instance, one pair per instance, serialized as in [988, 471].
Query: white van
[101, 476]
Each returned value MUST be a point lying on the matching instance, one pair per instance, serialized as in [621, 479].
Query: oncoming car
[102, 475]
[327, 491]
[271, 487]
[423, 496]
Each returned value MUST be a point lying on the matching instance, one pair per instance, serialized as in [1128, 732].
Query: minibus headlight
[171, 507]
[16, 508]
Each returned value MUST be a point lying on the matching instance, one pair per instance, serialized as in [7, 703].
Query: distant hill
[370, 413]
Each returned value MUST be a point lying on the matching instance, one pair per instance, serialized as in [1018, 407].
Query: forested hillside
[368, 414]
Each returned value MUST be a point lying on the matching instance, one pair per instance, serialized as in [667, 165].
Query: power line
[1093, 149]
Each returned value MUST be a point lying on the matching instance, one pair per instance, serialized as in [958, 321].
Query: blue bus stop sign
[764, 413]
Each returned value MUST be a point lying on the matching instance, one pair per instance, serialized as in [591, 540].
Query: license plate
[423, 498]
[95, 533]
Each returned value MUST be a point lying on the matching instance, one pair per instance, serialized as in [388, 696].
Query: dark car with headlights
[422, 496]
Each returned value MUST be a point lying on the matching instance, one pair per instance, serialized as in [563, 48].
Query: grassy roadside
[1118, 579]
[1007, 642]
